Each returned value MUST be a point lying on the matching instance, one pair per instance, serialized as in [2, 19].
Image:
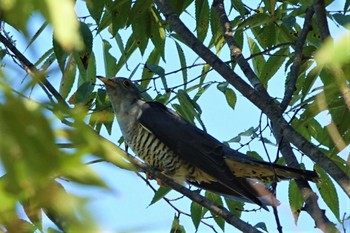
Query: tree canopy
[289, 61]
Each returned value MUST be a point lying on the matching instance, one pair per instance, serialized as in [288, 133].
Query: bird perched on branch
[185, 153]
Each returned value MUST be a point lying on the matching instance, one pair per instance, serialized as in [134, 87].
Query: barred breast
[151, 150]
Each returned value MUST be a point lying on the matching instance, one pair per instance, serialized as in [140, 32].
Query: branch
[196, 197]
[310, 197]
[179, 212]
[298, 57]
[32, 70]
[236, 52]
[262, 101]
[321, 18]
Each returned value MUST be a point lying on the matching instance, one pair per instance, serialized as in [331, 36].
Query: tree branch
[235, 51]
[196, 197]
[32, 70]
[321, 18]
[298, 58]
[262, 101]
[310, 197]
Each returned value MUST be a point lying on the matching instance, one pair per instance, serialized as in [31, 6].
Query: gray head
[122, 92]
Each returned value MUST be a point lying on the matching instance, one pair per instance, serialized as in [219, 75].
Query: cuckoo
[185, 153]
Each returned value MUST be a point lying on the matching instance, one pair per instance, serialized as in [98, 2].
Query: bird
[187, 154]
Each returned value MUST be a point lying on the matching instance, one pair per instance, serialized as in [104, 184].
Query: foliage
[295, 70]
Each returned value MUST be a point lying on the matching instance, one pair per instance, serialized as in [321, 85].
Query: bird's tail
[250, 168]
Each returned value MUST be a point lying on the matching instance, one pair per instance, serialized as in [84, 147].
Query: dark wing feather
[194, 146]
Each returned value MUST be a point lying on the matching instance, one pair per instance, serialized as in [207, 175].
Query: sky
[126, 207]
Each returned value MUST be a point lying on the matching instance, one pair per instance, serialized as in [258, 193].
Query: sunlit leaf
[273, 64]
[258, 61]
[66, 26]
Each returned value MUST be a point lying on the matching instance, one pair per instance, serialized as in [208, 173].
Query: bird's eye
[127, 83]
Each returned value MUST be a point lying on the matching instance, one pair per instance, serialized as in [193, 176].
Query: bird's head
[122, 92]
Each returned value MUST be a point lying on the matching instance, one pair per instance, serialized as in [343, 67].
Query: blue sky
[125, 208]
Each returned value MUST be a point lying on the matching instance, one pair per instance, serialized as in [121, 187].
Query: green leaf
[68, 78]
[231, 97]
[261, 225]
[202, 18]
[258, 61]
[128, 51]
[296, 200]
[25, 145]
[254, 155]
[310, 79]
[176, 227]
[249, 132]
[328, 191]
[216, 29]
[222, 86]
[257, 20]
[60, 54]
[95, 9]
[119, 12]
[161, 192]
[183, 64]
[217, 199]
[37, 33]
[273, 64]
[141, 32]
[83, 93]
[157, 32]
[66, 26]
[153, 59]
[346, 6]
[196, 214]
[266, 36]
[179, 6]
[86, 35]
[187, 106]
[109, 61]
[235, 207]
[342, 19]
[238, 6]
[138, 10]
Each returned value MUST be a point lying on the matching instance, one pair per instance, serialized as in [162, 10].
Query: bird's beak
[106, 81]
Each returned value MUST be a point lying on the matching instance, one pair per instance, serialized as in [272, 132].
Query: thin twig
[195, 196]
[298, 58]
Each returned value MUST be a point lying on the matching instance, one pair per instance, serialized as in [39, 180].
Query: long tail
[250, 168]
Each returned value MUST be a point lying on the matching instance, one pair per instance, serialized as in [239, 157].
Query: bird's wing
[194, 146]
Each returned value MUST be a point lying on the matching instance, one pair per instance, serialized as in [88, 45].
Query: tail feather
[267, 171]
[260, 190]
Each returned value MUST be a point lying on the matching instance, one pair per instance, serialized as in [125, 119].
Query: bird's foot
[149, 176]
[159, 181]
